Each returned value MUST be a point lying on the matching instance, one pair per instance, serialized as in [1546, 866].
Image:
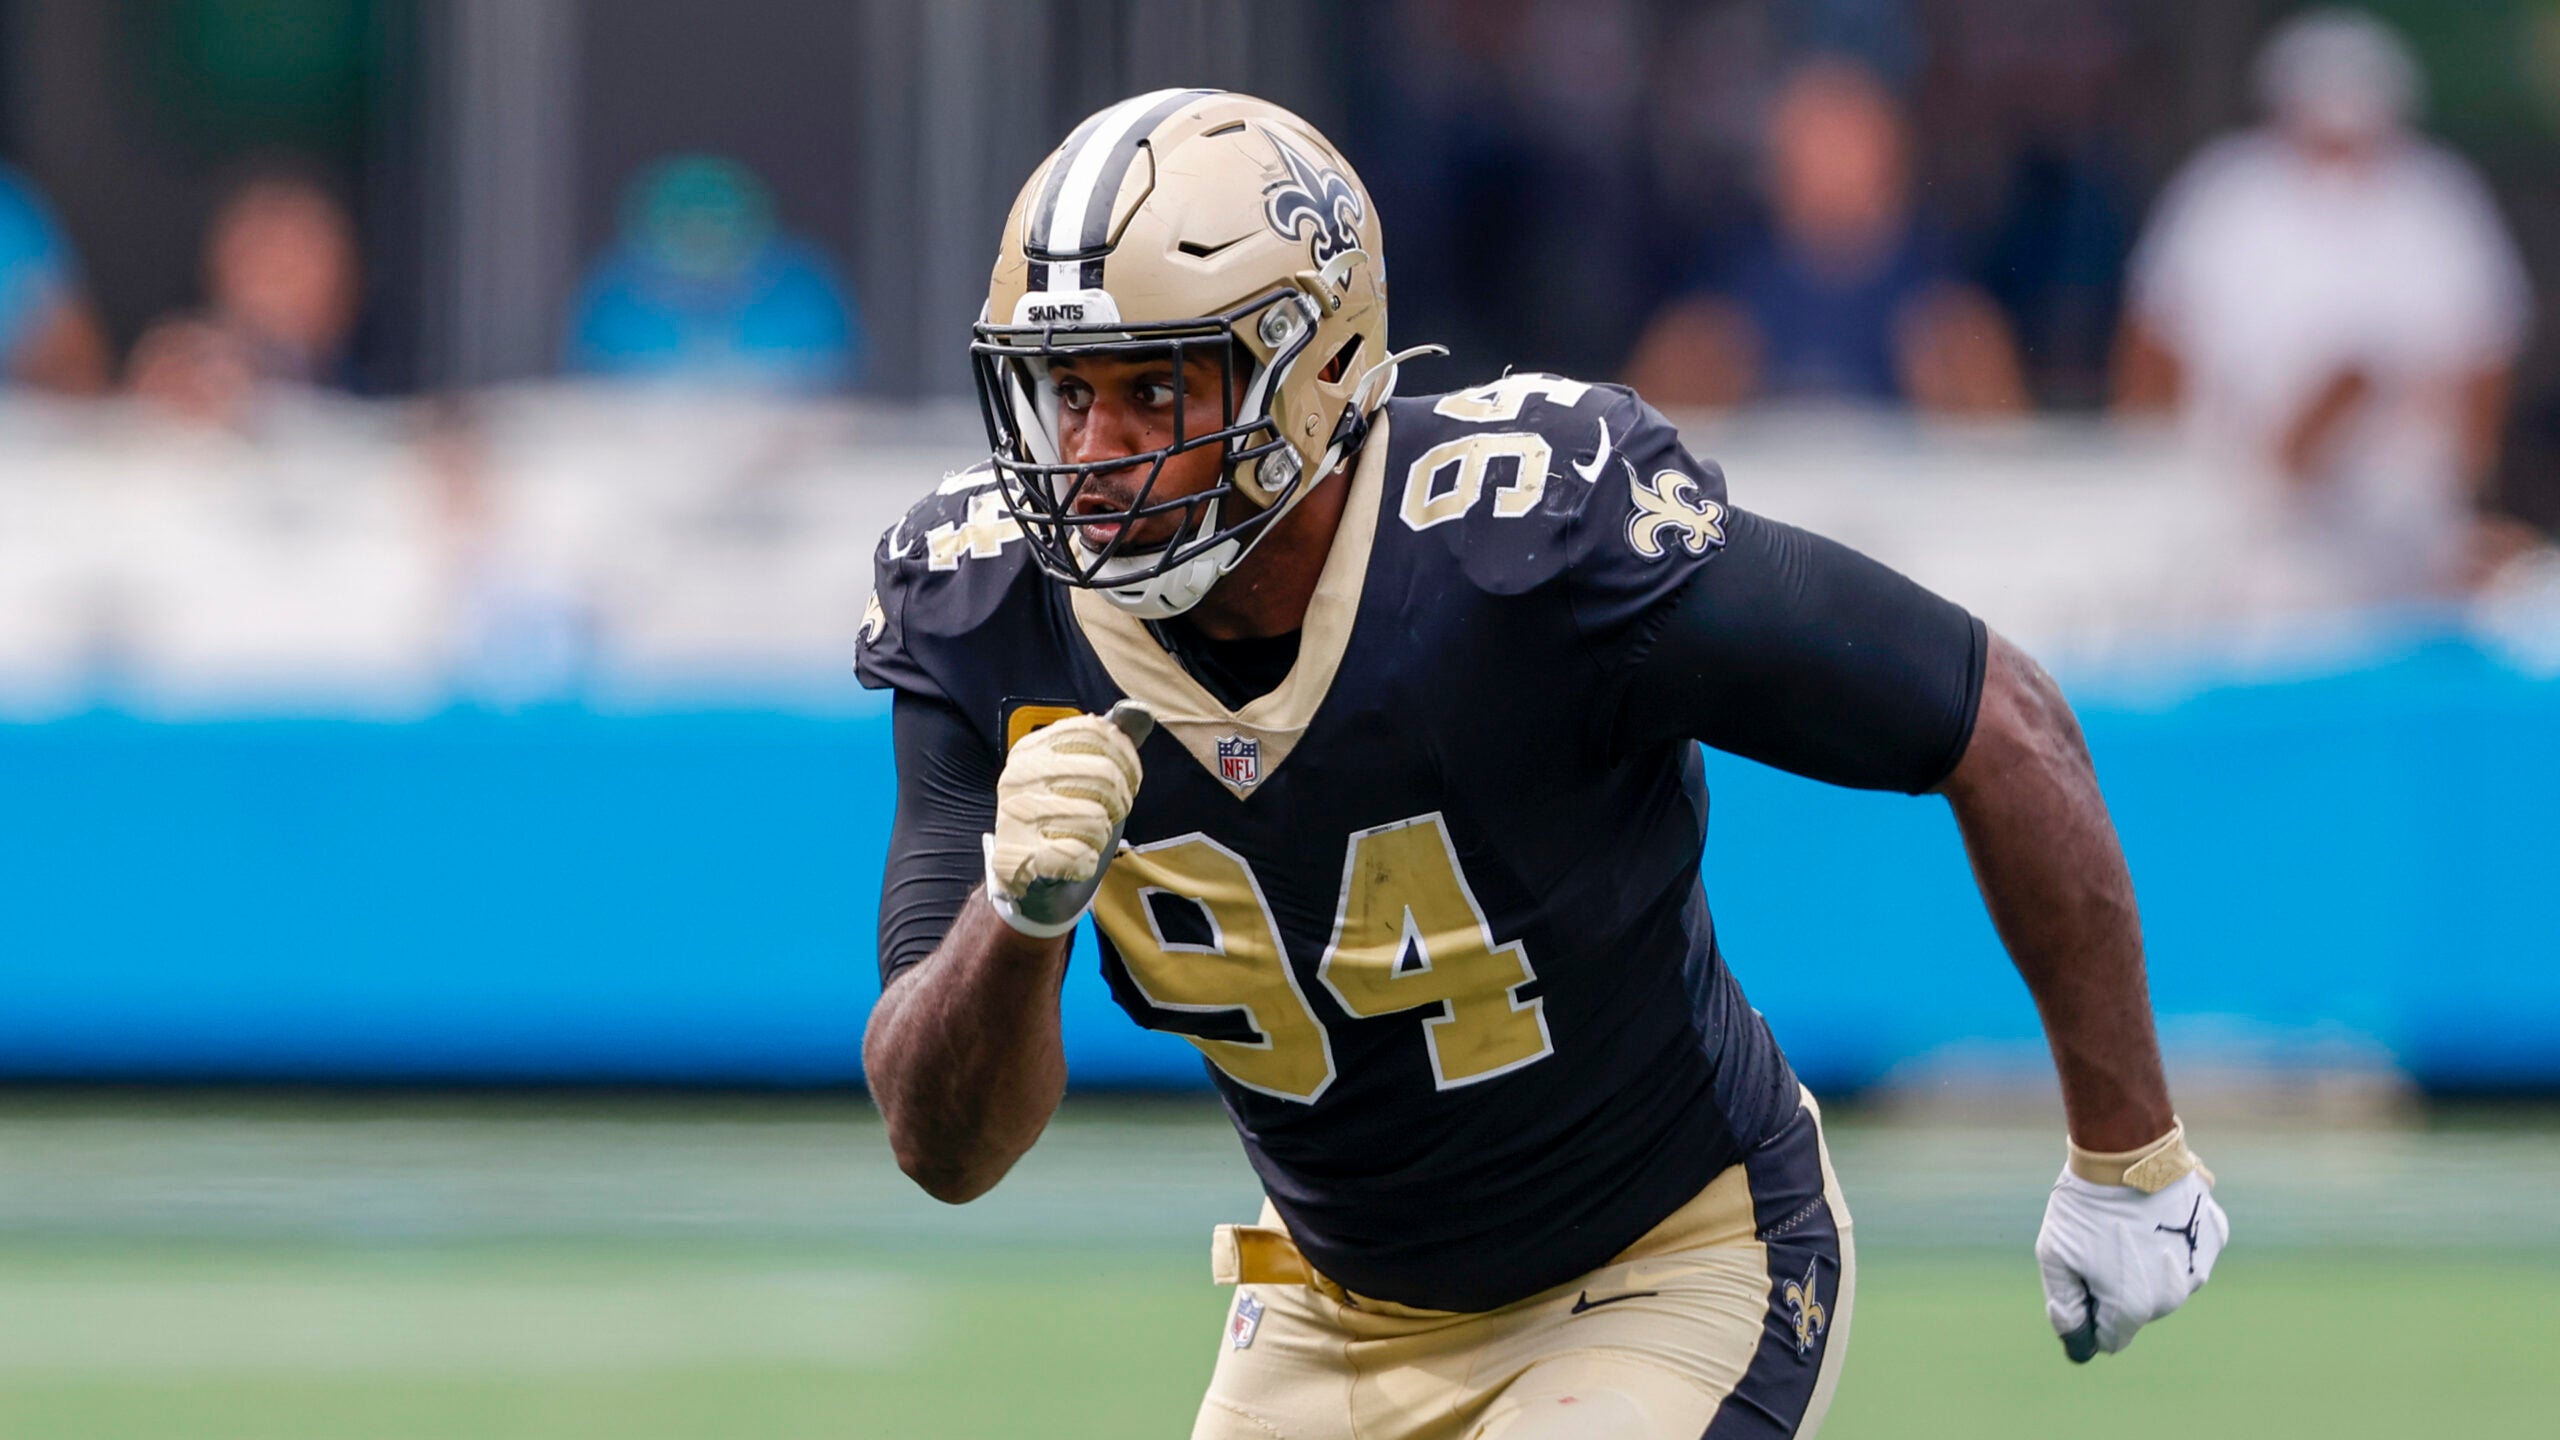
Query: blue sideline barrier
[2336, 868]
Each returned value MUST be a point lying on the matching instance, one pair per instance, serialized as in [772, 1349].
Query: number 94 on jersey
[1403, 895]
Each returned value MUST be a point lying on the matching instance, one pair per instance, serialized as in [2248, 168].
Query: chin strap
[1161, 597]
[1392, 365]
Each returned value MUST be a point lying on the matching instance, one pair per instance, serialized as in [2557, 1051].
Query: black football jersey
[1438, 934]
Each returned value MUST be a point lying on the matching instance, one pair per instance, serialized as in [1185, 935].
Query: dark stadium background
[439, 831]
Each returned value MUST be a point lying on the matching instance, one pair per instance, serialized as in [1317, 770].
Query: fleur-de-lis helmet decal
[1315, 201]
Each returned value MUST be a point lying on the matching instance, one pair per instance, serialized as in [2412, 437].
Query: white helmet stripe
[1090, 169]
[1035, 226]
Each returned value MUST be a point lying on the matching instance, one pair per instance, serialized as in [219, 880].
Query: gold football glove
[1064, 794]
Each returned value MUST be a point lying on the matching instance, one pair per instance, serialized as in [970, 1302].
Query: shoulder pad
[1526, 399]
[940, 573]
[1532, 476]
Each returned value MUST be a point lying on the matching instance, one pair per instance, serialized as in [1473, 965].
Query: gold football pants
[1727, 1320]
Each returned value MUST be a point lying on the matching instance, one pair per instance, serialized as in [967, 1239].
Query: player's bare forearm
[963, 1054]
[2055, 882]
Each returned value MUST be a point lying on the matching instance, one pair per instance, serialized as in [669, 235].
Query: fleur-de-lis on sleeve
[1669, 503]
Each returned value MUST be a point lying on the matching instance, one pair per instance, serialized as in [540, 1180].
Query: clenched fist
[1064, 794]
[2127, 1238]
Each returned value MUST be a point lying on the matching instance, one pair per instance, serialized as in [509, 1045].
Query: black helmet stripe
[1072, 220]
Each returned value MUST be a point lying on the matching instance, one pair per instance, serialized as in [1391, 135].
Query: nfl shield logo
[1240, 760]
[1248, 1319]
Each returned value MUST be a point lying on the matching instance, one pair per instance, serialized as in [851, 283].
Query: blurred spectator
[702, 285]
[1505, 140]
[194, 369]
[49, 336]
[281, 289]
[2056, 263]
[1851, 295]
[2337, 300]
[2033, 113]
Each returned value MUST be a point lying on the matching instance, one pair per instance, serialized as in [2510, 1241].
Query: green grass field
[736, 1269]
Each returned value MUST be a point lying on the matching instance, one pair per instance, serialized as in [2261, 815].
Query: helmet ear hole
[1340, 365]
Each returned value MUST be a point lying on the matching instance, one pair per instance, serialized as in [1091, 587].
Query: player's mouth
[1097, 535]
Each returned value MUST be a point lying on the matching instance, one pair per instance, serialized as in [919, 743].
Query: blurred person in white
[49, 335]
[2334, 301]
[282, 283]
[1851, 294]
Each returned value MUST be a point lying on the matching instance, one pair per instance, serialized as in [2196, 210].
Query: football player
[1367, 731]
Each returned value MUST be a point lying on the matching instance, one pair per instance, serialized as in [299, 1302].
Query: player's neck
[1268, 593]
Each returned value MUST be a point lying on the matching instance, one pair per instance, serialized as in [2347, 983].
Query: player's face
[1115, 406]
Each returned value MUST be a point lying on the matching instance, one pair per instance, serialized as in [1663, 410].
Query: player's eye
[1074, 394]
[1158, 394]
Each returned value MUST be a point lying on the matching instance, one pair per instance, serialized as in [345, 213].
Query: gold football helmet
[1189, 222]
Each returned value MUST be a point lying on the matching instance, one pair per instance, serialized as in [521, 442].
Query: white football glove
[1064, 794]
[2127, 1238]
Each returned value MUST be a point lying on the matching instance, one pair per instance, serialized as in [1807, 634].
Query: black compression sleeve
[946, 801]
[1801, 653]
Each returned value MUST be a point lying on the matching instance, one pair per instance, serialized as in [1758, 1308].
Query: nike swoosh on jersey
[1599, 458]
[1585, 1302]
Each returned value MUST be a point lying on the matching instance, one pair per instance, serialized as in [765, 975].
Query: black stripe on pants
[1803, 1239]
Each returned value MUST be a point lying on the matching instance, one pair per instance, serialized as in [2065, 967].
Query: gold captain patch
[1021, 717]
